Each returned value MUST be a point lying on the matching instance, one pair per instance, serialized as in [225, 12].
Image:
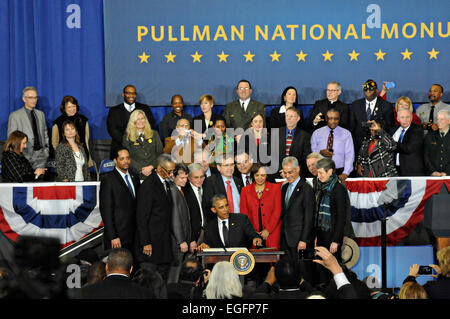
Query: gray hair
[163, 159]
[195, 167]
[446, 112]
[314, 155]
[339, 86]
[216, 198]
[223, 282]
[290, 160]
[325, 163]
[28, 88]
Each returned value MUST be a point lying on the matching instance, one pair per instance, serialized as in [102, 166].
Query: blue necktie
[129, 185]
[288, 194]
[368, 112]
[400, 139]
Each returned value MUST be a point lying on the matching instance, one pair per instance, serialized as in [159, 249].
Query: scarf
[323, 198]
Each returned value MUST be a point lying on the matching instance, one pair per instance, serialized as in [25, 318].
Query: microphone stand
[383, 250]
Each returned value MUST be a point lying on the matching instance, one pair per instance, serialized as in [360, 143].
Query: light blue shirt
[291, 188]
[236, 195]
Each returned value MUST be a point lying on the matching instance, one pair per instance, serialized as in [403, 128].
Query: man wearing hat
[367, 109]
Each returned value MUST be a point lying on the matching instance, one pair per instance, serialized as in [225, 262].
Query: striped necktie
[288, 142]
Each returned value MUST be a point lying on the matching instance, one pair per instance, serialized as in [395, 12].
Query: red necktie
[330, 141]
[230, 197]
[288, 143]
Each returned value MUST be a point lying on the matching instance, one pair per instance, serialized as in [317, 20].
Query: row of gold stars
[327, 56]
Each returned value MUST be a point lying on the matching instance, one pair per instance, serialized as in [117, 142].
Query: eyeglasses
[328, 90]
[169, 172]
[31, 97]
[243, 89]
[227, 165]
[130, 93]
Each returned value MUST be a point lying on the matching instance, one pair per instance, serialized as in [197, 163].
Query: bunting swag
[403, 200]
[67, 212]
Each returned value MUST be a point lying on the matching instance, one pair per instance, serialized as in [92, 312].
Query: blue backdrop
[92, 48]
[57, 47]
[201, 46]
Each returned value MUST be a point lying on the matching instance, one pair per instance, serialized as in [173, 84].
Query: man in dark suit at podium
[228, 229]
[118, 116]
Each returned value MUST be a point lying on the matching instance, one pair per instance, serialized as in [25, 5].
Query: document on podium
[219, 250]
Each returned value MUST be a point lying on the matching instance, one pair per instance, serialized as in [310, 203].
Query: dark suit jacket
[181, 220]
[278, 119]
[236, 117]
[240, 232]
[383, 113]
[194, 210]
[300, 147]
[298, 216]
[153, 215]
[201, 118]
[117, 122]
[411, 152]
[214, 185]
[323, 106]
[437, 153]
[116, 287]
[118, 209]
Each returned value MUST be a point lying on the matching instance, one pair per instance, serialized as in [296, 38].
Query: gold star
[353, 55]
[275, 56]
[223, 57]
[170, 57]
[327, 56]
[196, 57]
[433, 54]
[380, 55]
[301, 56]
[249, 57]
[406, 54]
[144, 57]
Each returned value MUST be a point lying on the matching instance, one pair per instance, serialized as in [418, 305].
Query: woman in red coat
[261, 202]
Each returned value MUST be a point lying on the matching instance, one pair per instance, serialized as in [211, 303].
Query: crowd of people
[233, 180]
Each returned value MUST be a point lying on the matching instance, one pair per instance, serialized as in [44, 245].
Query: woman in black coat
[331, 211]
[15, 167]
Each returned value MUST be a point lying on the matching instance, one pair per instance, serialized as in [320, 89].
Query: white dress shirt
[246, 102]
[220, 223]
[129, 179]
[396, 137]
[195, 190]
[130, 108]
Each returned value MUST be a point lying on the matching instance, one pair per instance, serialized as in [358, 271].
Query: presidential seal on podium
[243, 261]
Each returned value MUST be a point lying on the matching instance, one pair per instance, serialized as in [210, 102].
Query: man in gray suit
[31, 121]
[239, 113]
[181, 230]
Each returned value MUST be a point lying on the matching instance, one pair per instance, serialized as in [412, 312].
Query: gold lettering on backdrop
[278, 33]
[239, 33]
[351, 31]
[385, 31]
[414, 30]
[264, 34]
[201, 36]
[220, 33]
[161, 34]
[337, 33]
[142, 31]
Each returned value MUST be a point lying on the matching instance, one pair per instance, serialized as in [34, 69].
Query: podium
[260, 255]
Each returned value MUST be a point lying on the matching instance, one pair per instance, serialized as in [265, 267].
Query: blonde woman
[143, 143]
[404, 102]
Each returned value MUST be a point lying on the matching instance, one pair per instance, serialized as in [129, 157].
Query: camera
[425, 270]
[366, 124]
[307, 254]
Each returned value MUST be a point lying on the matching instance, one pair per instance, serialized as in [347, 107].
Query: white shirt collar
[282, 109]
[129, 107]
